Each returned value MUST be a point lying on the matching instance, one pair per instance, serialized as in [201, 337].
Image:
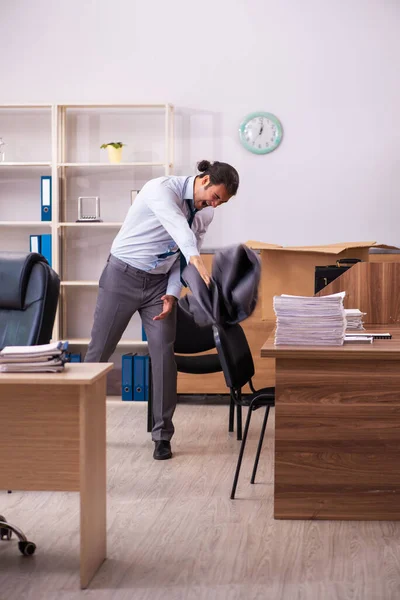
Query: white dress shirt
[157, 225]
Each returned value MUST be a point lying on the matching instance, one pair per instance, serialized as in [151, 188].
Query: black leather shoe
[162, 451]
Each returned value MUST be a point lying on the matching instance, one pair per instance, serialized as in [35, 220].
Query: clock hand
[260, 132]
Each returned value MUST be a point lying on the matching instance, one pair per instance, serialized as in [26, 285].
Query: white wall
[327, 68]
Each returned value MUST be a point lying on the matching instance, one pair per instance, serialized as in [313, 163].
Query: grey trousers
[123, 290]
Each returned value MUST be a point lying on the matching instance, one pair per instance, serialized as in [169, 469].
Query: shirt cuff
[174, 288]
[188, 252]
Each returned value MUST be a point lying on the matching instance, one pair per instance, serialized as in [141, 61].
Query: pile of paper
[354, 318]
[46, 358]
[310, 321]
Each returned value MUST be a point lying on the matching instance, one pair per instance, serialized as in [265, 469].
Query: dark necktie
[183, 263]
[192, 212]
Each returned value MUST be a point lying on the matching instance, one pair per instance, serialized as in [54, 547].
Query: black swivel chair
[238, 367]
[29, 291]
[190, 341]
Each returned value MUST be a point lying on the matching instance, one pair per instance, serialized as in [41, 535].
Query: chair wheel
[27, 548]
[5, 533]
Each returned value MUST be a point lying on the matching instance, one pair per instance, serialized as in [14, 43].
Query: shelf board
[25, 223]
[165, 105]
[24, 164]
[26, 105]
[104, 224]
[121, 343]
[80, 105]
[108, 164]
[81, 283]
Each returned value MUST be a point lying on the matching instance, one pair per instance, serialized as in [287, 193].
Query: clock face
[260, 132]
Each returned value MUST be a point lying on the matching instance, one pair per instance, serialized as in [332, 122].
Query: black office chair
[29, 291]
[238, 368]
[190, 341]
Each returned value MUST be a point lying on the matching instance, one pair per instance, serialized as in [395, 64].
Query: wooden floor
[174, 534]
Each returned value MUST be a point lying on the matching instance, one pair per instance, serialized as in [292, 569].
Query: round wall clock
[260, 132]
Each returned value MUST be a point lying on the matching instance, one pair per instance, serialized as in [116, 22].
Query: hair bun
[203, 165]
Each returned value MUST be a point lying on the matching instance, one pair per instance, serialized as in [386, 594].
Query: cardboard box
[291, 269]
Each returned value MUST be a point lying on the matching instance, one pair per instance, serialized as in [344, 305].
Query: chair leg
[239, 421]
[260, 441]
[239, 462]
[231, 415]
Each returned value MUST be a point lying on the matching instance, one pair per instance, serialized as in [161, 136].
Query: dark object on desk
[233, 292]
[238, 367]
[29, 291]
[190, 342]
[324, 275]
[375, 336]
[381, 336]
[374, 289]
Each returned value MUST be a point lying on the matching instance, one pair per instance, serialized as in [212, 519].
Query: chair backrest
[234, 354]
[190, 338]
[29, 291]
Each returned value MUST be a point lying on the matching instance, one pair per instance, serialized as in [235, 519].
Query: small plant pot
[114, 154]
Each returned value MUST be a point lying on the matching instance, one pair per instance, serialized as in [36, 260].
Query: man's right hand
[197, 262]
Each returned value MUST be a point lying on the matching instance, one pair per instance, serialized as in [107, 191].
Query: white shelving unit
[20, 150]
[24, 164]
[112, 165]
[63, 162]
[25, 224]
[110, 224]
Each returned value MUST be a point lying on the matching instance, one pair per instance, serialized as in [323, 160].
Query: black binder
[324, 275]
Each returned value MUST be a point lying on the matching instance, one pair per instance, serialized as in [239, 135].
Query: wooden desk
[337, 430]
[53, 437]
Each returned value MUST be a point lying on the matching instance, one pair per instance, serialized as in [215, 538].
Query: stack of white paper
[354, 318]
[310, 321]
[46, 358]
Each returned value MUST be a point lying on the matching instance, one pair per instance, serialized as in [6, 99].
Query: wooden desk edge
[331, 352]
[65, 378]
[379, 349]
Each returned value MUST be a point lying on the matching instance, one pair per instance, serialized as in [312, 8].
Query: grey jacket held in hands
[233, 292]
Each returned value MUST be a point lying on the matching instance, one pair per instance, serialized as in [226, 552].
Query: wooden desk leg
[92, 478]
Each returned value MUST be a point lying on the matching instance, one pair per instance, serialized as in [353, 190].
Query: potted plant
[114, 151]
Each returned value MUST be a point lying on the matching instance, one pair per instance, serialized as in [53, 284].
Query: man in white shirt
[162, 232]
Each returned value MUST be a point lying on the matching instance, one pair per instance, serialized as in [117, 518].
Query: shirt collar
[188, 191]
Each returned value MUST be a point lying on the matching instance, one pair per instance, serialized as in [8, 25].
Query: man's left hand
[168, 305]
